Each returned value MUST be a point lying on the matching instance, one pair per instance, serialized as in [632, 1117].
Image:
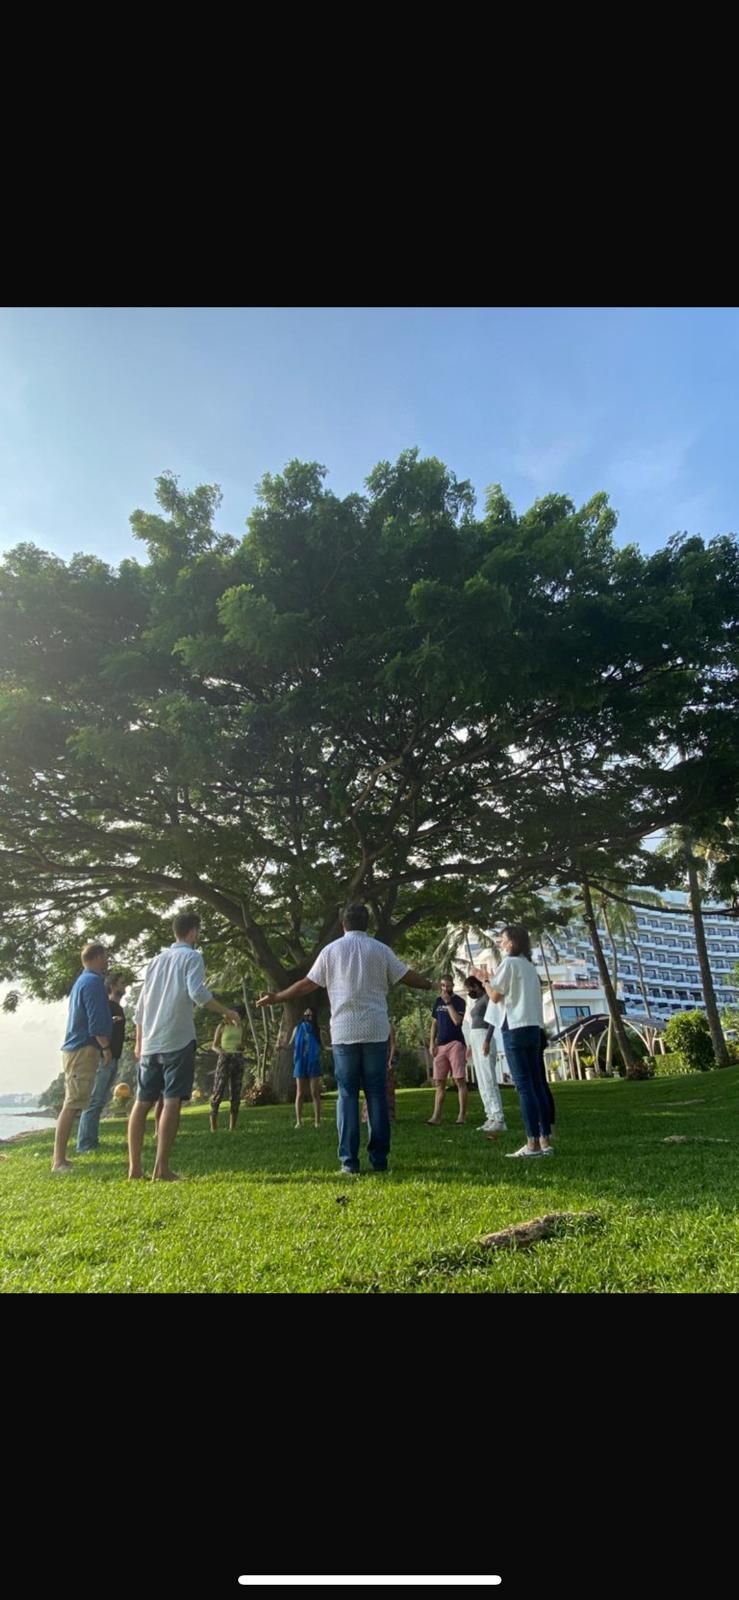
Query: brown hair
[184, 923]
[519, 937]
[92, 951]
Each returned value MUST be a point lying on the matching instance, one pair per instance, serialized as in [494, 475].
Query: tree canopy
[383, 696]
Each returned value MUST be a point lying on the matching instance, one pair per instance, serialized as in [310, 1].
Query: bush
[52, 1098]
[328, 1083]
[688, 1033]
[641, 1070]
[673, 1065]
[410, 1071]
[259, 1094]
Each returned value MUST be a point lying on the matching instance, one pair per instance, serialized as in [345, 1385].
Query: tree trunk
[281, 1071]
[605, 978]
[550, 986]
[709, 993]
[642, 984]
[614, 952]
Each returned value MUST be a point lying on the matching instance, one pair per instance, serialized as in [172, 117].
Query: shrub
[673, 1065]
[410, 1071]
[52, 1098]
[259, 1094]
[641, 1069]
[328, 1083]
[688, 1032]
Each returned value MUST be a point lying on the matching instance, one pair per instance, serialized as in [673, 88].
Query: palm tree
[685, 848]
[620, 922]
[544, 940]
[616, 1022]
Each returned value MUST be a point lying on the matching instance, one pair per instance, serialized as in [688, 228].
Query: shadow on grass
[609, 1146]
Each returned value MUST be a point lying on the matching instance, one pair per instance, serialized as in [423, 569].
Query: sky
[96, 402]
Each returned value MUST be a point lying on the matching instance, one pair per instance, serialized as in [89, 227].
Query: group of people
[357, 972]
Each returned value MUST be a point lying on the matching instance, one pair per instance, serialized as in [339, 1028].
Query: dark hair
[113, 979]
[519, 937]
[240, 1009]
[473, 983]
[314, 1021]
[92, 951]
[355, 919]
[184, 923]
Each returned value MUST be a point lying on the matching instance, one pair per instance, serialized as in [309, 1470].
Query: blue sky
[95, 403]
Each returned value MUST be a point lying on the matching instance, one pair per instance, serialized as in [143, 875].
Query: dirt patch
[552, 1226]
[693, 1138]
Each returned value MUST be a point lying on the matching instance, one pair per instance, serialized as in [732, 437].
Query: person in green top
[229, 1042]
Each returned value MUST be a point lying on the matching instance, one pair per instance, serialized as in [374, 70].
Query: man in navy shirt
[89, 1027]
[448, 1049]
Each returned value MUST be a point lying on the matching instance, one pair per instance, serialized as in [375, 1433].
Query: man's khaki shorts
[80, 1067]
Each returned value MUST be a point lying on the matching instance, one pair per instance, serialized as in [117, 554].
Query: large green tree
[382, 696]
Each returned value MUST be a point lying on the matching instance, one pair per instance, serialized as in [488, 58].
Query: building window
[574, 1013]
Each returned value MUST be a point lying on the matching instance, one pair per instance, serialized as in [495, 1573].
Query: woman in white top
[515, 985]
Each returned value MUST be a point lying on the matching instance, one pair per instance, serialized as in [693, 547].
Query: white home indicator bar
[450, 1582]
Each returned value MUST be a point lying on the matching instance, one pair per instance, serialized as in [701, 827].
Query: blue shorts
[170, 1073]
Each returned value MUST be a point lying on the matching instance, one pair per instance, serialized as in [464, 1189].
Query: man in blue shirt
[88, 1132]
[174, 982]
[448, 1050]
[89, 1026]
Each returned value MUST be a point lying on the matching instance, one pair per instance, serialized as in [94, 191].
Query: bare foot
[166, 1177]
[460, 1122]
[63, 1166]
[433, 1122]
[135, 1175]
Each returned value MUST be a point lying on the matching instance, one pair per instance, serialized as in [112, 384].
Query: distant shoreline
[28, 1133]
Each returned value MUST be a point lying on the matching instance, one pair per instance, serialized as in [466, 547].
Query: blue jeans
[523, 1053]
[89, 1128]
[362, 1066]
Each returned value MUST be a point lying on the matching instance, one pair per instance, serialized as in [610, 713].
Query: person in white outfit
[515, 985]
[484, 1064]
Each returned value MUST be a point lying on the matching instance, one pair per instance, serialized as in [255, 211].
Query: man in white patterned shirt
[357, 971]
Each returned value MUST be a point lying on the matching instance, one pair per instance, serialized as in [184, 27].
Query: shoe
[548, 1152]
[485, 1127]
[346, 1172]
[494, 1125]
[512, 1155]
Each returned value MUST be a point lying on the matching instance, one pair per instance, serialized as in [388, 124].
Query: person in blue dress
[307, 1064]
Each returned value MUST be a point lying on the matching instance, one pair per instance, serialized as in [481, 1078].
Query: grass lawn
[262, 1210]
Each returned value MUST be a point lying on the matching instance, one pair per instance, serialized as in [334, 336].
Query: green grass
[259, 1213]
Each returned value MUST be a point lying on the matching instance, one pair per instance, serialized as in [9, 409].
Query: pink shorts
[450, 1058]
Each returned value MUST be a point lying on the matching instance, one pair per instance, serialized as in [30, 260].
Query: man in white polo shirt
[174, 982]
[357, 971]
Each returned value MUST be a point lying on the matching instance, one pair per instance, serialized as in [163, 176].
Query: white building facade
[669, 958]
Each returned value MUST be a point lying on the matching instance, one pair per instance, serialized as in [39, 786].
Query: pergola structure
[595, 1030]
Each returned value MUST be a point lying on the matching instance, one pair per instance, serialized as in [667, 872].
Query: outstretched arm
[303, 986]
[414, 980]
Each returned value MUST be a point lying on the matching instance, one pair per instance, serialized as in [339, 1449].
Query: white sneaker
[495, 1125]
[513, 1155]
